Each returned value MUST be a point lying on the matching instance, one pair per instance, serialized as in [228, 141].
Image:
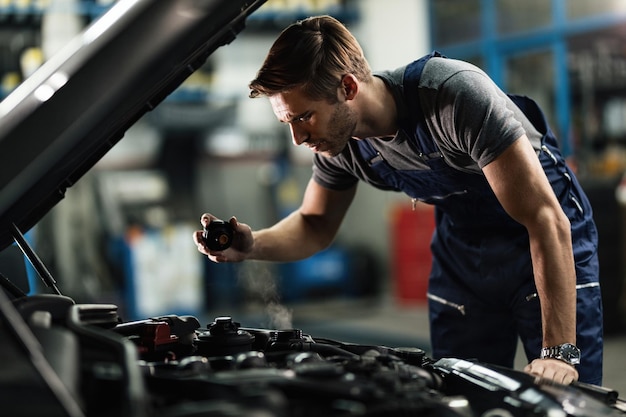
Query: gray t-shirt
[470, 119]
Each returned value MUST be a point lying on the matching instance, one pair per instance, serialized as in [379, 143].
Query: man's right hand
[238, 250]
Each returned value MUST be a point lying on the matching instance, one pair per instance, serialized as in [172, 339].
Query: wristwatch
[565, 352]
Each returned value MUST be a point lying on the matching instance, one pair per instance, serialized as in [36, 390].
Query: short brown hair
[314, 53]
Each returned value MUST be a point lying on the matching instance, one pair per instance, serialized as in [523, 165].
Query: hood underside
[64, 118]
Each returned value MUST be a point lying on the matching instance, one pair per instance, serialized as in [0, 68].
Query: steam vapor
[259, 281]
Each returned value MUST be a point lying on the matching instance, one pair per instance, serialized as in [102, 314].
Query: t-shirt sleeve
[331, 173]
[474, 117]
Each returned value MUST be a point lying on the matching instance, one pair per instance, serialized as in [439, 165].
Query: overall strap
[537, 117]
[367, 150]
[414, 123]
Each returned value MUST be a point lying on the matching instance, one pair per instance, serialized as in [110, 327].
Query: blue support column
[562, 96]
[561, 74]
[493, 61]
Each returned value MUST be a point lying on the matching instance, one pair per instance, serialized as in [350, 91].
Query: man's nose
[298, 135]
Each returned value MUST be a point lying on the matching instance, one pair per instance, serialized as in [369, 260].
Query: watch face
[570, 353]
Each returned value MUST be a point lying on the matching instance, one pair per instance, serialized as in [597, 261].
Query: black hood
[64, 118]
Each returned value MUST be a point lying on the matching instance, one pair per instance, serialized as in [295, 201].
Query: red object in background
[412, 230]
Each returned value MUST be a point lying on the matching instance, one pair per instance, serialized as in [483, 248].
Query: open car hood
[64, 118]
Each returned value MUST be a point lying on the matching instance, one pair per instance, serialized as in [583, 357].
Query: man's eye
[304, 118]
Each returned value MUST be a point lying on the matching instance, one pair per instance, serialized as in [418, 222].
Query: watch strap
[566, 352]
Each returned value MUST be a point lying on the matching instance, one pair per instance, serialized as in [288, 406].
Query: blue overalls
[481, 290]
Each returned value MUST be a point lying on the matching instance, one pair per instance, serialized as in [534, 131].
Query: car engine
[175, 366]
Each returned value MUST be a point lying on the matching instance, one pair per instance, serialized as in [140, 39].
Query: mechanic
[515, 246]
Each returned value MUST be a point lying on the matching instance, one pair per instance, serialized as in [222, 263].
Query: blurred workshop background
[123, 233]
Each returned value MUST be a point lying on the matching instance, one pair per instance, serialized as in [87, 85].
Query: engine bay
[176, 366]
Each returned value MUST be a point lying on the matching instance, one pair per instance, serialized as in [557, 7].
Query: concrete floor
[385, 322]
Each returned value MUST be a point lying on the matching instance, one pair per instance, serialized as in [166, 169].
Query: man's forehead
[289, 103]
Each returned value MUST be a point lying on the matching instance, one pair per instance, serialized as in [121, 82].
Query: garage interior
[123, 234]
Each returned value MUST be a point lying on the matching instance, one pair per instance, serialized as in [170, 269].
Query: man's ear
[349, 87]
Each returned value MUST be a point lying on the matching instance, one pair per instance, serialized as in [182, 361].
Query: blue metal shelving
[494, 49]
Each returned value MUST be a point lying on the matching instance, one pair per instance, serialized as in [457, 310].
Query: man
[514, 251]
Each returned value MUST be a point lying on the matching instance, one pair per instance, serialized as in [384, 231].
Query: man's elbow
[321, 233]
[551, 220]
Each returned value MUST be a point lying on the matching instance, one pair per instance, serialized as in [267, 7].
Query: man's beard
[340, 129]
